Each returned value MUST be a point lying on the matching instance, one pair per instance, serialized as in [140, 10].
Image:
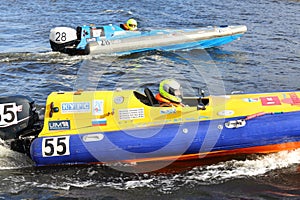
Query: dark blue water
[265, 59]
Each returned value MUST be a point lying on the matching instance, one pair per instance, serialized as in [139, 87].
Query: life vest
[124, 26]
[163, 102]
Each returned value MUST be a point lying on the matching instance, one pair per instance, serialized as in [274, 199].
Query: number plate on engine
[8, 114]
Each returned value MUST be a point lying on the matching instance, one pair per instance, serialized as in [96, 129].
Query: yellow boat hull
[123, 126]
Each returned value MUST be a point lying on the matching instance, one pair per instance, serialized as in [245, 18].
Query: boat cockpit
[149, 99]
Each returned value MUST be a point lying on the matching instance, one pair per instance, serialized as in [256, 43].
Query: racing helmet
[131, 24]
[171, 90]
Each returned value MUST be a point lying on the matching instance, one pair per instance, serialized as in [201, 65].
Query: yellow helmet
[171, 90]
[131, 24]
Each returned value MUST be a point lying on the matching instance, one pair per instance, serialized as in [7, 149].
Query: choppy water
[265, 59]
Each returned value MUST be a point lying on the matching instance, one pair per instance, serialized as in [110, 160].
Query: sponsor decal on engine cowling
[59, 125]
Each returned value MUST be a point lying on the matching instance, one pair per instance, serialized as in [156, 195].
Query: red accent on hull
[176, 164]
[251, 150]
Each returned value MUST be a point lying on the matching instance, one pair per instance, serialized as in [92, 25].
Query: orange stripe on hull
[186, 162]
[250, 150]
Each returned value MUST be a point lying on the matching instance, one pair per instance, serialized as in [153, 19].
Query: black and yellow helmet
[171, 90]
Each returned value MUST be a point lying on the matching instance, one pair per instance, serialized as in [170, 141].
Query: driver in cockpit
[130, 25]
[170, 94]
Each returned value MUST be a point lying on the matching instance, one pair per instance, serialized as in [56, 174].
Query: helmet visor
[132, 25]
[175, 92]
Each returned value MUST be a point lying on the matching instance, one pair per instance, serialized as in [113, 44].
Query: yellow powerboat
[128, 126]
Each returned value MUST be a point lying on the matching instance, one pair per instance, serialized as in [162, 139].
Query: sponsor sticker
[59, 125]
[270, 101]
[168, 111]
[226, 113]
[75, 107]
[250, 100]
[295, 99]
[133, 113]
[91, 39]
[97, 32]
[98, 106]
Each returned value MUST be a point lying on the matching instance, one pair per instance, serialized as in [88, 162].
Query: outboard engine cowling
[61, 37]
[17, 114]
[19, 123]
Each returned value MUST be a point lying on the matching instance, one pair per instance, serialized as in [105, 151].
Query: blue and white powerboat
[112, 39]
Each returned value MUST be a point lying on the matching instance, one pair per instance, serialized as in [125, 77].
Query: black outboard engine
[18, 122]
